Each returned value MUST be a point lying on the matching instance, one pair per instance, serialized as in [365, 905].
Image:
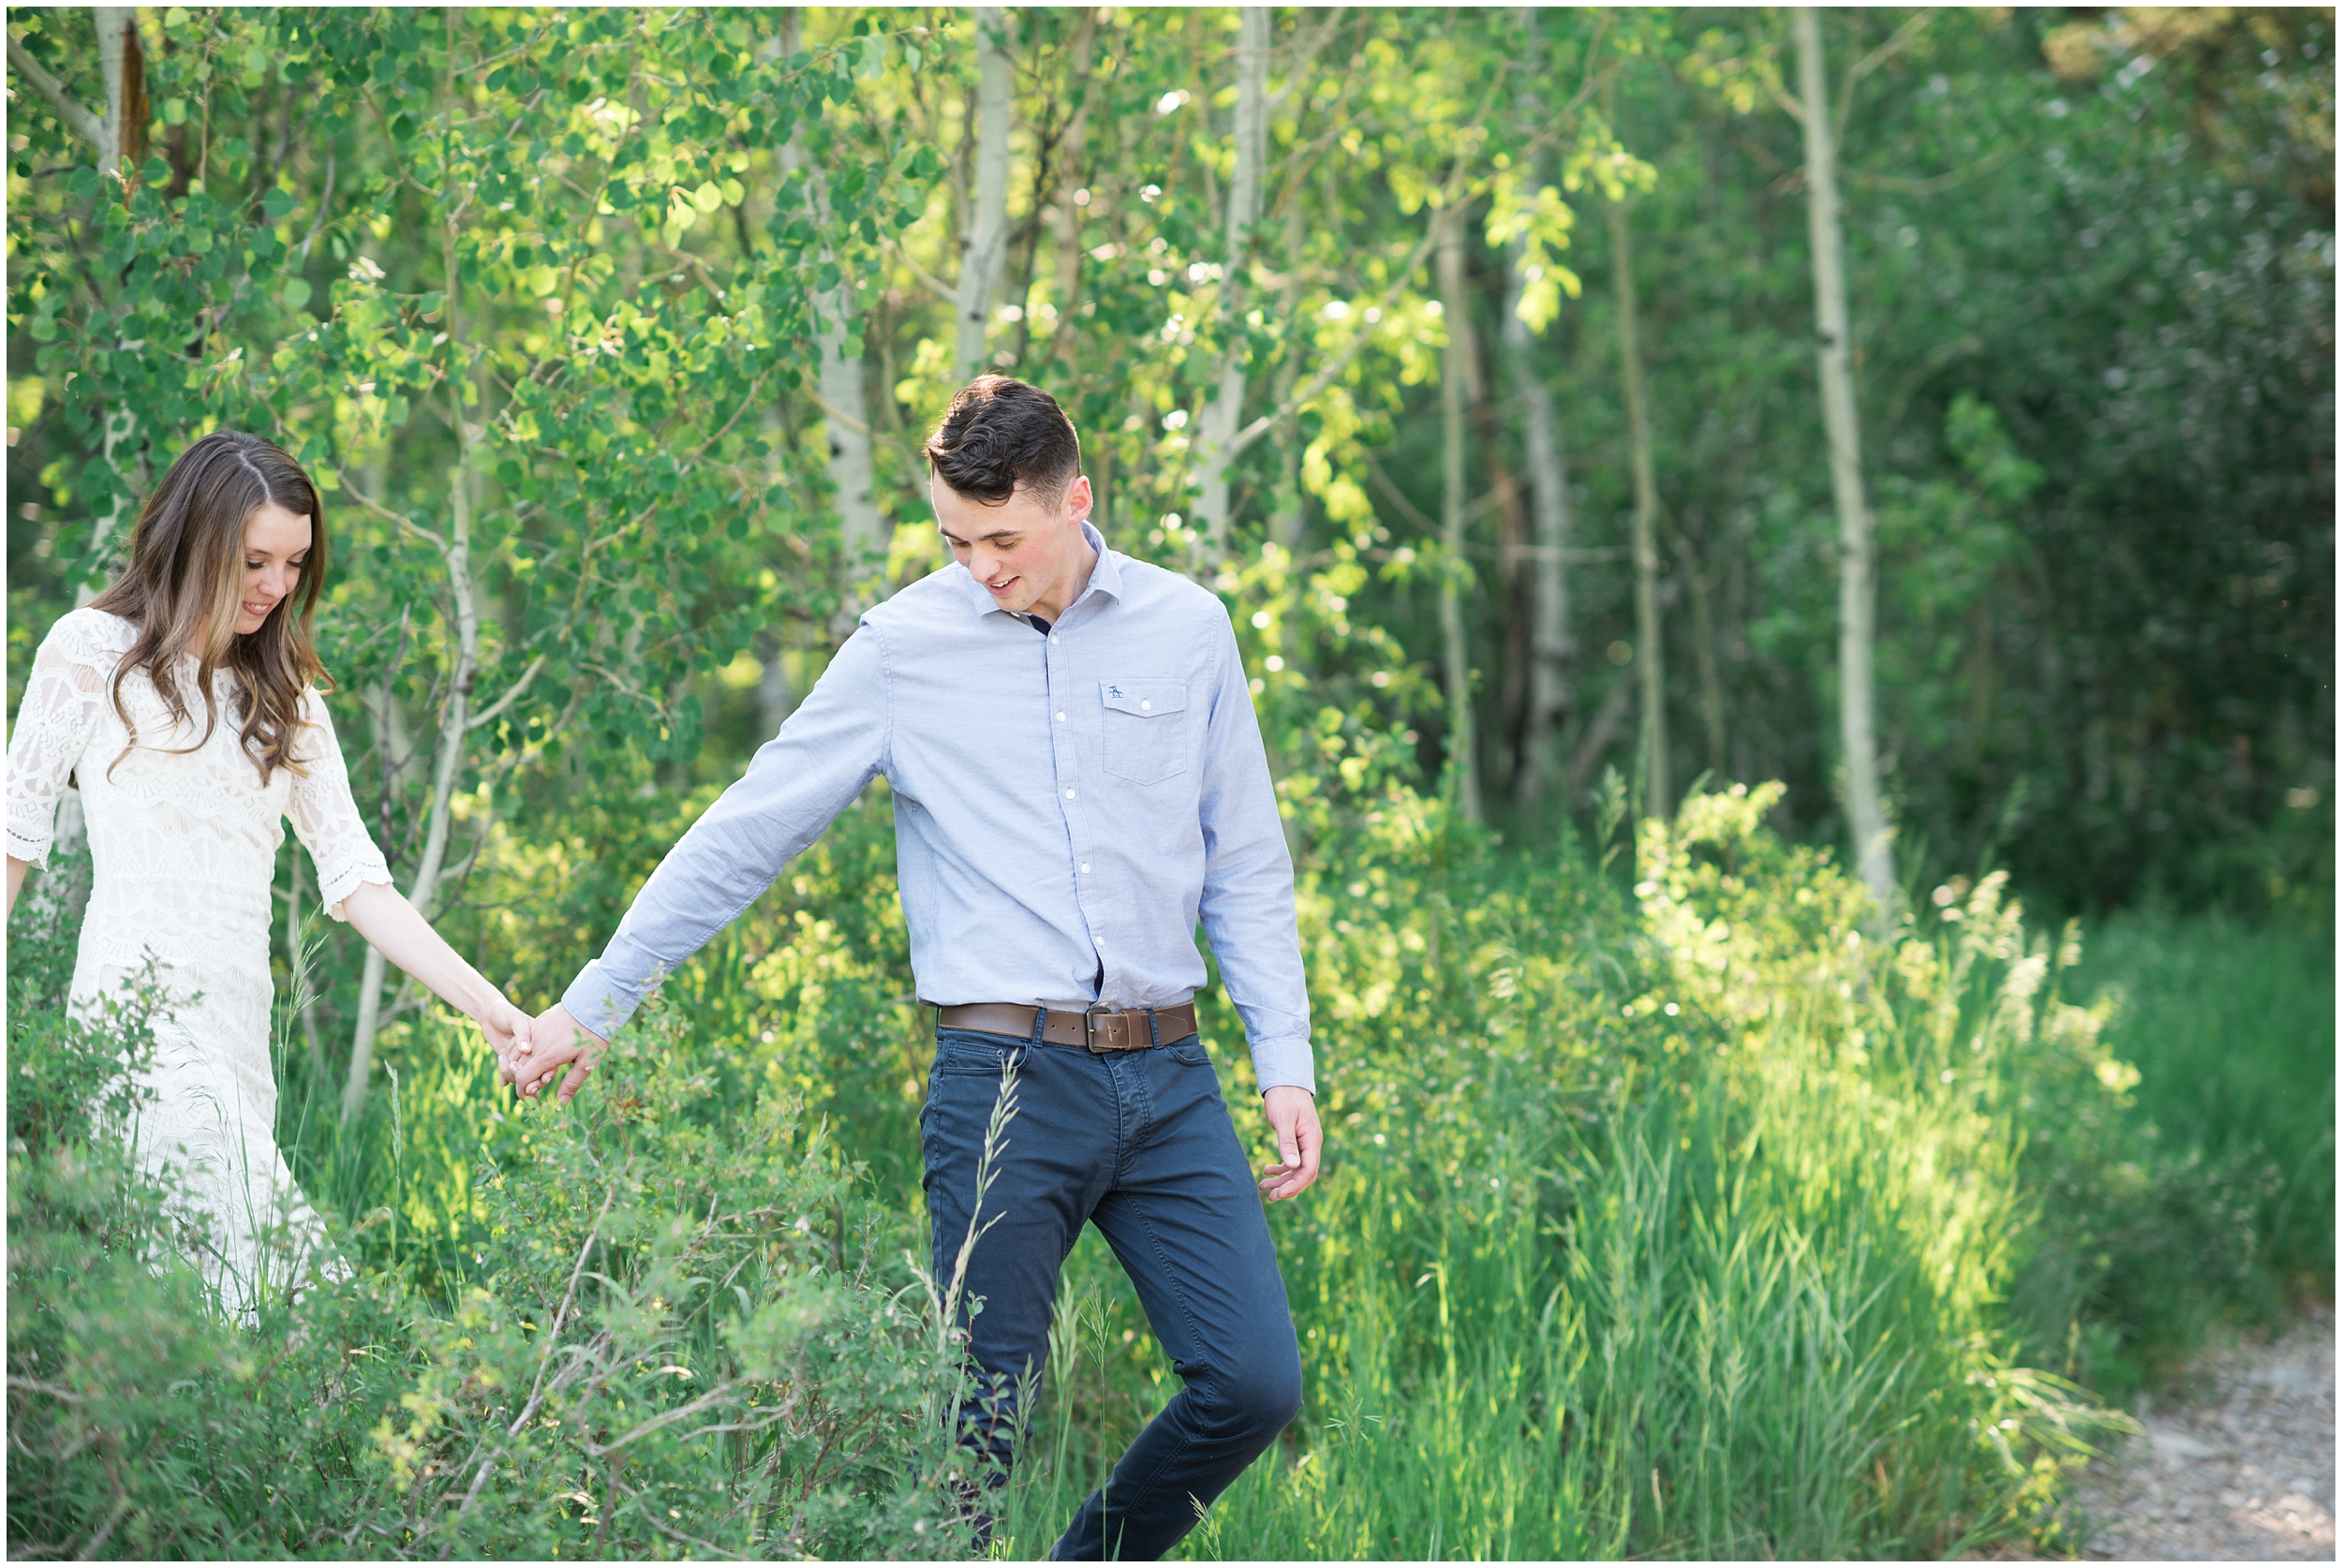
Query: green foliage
[659, 1345]
[1690, 1219]
[2220, 1202]
[1677, 1227]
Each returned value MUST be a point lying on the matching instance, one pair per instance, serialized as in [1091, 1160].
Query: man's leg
[1184, 1215]
[1055, 1160]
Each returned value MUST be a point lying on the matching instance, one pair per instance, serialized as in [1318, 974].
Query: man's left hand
[1293, 1113]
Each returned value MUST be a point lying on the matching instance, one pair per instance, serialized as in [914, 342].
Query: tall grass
[1683, 1232]
[1671, 1208]
[2231, 1024]
[2219, 1201]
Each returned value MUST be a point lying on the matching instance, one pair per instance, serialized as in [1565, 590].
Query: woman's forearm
[16, 880]
[384, 916]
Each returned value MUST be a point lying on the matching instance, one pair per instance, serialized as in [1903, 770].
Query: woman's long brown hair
[185, 582]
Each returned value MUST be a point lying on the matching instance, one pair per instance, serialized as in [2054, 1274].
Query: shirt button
[1060, 719]
[1069, 794]
[1053, 637]
[1084, 868]
[1146, 707]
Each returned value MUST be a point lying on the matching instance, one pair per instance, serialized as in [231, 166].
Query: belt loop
[1155, 1030]
[1040, 1026]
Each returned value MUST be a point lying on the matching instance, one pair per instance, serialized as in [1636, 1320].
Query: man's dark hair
[1000, 433]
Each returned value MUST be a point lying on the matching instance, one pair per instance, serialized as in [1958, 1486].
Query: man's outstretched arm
[796, 785]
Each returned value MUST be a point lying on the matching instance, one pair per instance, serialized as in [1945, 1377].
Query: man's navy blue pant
[1139, 1144]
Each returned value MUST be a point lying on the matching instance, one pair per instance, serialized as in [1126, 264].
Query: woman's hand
[510, 1031]
[384, 917]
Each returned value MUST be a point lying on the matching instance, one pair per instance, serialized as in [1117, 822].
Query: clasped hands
[537, 1053]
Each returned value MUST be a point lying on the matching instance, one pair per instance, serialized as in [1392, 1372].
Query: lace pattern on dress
[183, 844]
[53, 724]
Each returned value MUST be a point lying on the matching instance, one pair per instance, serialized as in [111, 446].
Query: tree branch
[511, 694]
[78, 120]
[388, 515]
[942, 290]
[1897, 41]
[1244, 439]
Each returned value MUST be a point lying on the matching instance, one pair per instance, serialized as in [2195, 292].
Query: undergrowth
[1672, 1208]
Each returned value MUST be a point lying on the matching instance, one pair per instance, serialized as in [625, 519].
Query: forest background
[1472, 356]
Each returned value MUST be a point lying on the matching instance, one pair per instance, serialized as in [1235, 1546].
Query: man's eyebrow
[995, 534]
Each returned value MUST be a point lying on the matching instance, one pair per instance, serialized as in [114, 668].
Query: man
[1077, 777]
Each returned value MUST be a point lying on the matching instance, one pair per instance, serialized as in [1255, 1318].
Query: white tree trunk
[984, 253]
[1457, 374]
[1857, 581]
[775, 698]
[845, 405]
[1650, 664]
[455, 724]
[1286, 525]
[1065, 235]
[862, 531]
[1225, 411]
[119, 133]
[1550, 643]
[124, 65]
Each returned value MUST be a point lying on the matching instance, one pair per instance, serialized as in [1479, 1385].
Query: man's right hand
[559, 1040]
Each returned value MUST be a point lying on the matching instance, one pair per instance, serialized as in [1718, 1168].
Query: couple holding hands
[1078, 780]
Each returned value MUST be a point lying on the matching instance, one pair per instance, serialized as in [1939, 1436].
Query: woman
[185, 703]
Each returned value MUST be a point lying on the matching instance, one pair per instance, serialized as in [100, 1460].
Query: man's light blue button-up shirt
[1067, 806]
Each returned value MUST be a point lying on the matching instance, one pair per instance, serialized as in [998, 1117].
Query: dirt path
[2238, 1466]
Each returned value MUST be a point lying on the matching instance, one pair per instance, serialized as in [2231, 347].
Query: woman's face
[276, 548]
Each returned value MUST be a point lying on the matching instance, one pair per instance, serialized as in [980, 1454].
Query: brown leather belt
[1096, 1028]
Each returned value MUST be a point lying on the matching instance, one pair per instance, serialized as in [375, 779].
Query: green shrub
[2214, 1197]
[661, 1347]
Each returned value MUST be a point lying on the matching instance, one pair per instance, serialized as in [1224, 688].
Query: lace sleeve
[61, 705]
[325, 814]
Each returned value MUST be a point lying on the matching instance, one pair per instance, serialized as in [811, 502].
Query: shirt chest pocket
[1146, 728]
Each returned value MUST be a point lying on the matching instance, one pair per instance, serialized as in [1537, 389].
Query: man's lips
[999, 587]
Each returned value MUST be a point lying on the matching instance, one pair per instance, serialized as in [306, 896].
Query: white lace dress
[185, 850]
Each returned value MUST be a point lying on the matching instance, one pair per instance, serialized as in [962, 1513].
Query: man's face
[1028, 556]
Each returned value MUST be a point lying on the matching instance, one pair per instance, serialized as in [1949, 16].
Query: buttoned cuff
[597, 1002]
[1285, 1061]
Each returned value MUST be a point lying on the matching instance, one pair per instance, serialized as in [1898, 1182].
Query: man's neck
[1051, 605]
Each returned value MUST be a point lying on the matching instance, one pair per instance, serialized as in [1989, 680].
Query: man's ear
[1078, 499]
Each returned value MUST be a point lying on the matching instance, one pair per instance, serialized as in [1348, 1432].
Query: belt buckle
[1091, 1015]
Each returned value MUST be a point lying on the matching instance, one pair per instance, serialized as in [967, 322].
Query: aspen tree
[844, 401]
[1650, 666]
[1219, 416]
[1858, 550]
[1458, 374]
[984, 254]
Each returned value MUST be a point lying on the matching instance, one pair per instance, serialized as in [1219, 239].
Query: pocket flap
[1146, 697]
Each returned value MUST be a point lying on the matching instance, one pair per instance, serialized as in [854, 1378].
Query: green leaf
[276, 204]
[296, 293]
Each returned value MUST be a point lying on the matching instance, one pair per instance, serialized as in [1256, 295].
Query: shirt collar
[1105, 577]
